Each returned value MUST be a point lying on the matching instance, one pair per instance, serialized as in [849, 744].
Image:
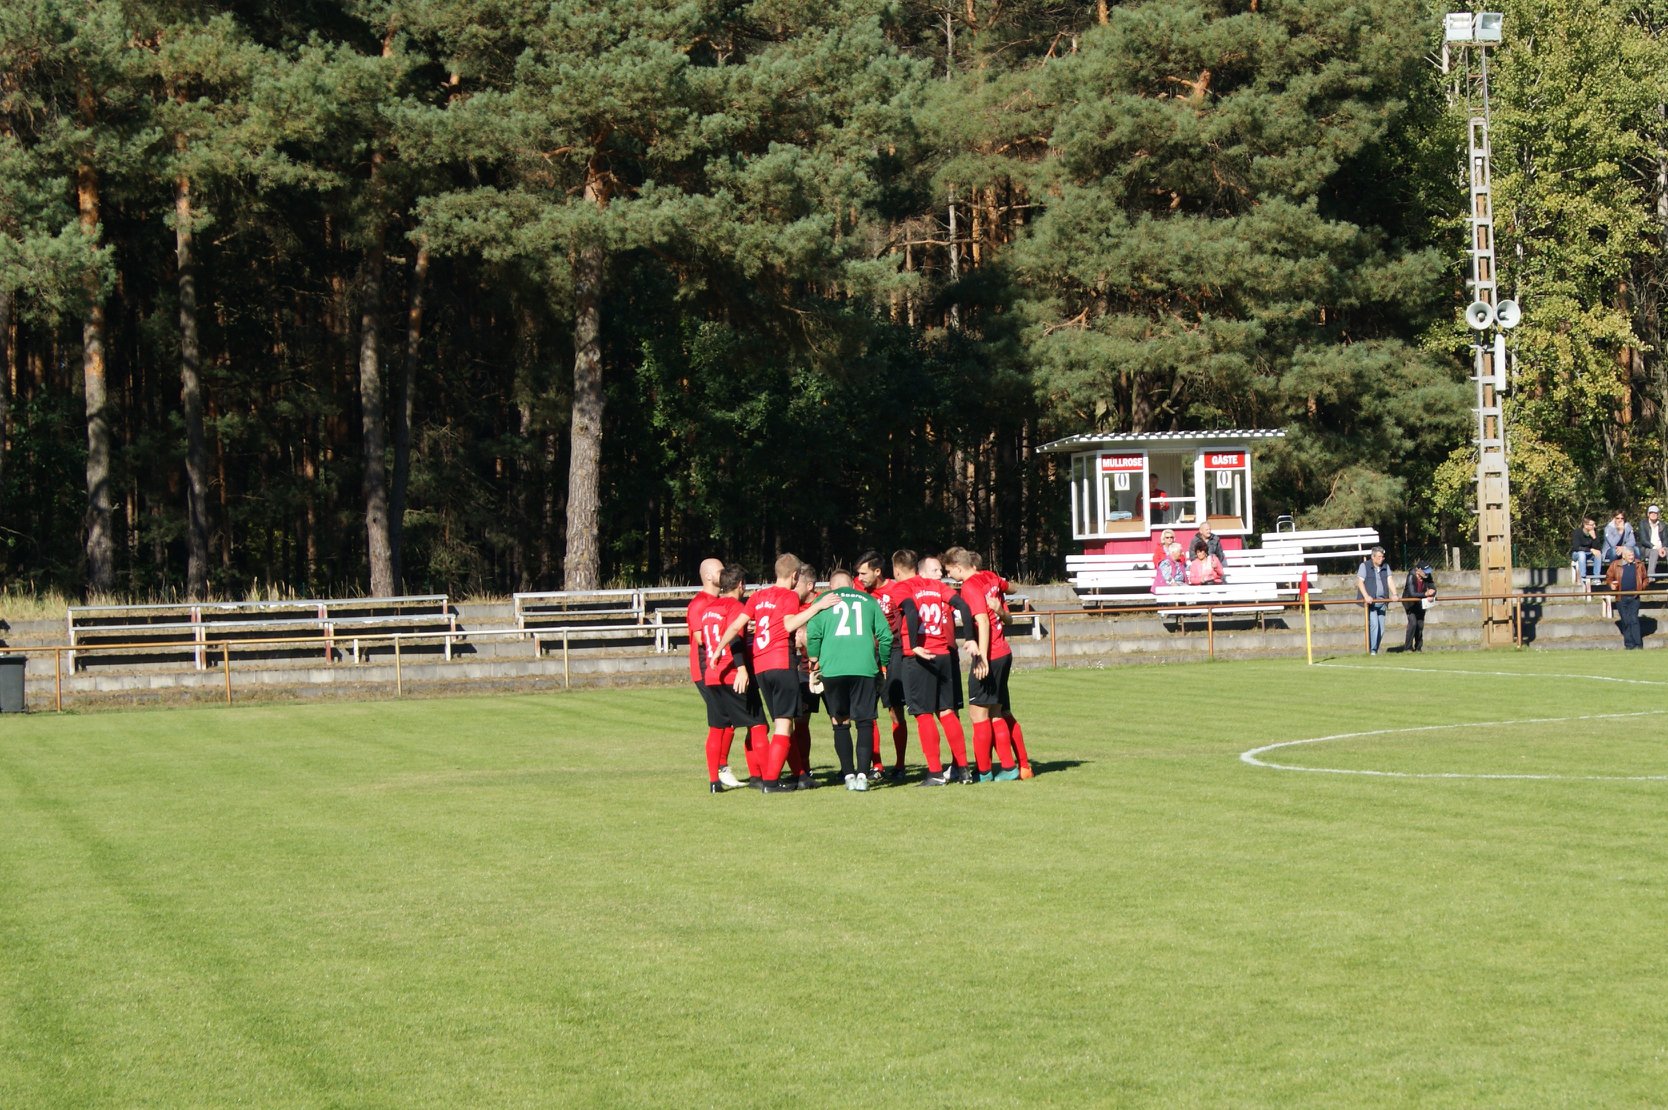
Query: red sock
[715, 752]
[927, 728]
[799, 753]
[900, 741]
[1004, 742]
[956, 737]
[729, 744]
[1019, 739]
[981, 745]
[758, 746]
[780, 742]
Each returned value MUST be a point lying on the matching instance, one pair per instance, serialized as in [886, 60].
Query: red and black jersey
[772, 646]
[983, 592]
[891, 596]
[931, 601]
[716, 616]
[692, 621]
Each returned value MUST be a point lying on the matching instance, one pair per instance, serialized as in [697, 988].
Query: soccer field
[533, 901]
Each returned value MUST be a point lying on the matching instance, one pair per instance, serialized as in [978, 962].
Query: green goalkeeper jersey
[850, 637]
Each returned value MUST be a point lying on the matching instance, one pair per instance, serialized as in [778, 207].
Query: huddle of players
[868, 638]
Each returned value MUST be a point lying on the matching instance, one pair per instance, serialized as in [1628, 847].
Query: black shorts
[781, 692]
[991, 691]
[734, 710]
[715, 711]
[930, 684]
[850, 697]
[809, 703]
[892, 686]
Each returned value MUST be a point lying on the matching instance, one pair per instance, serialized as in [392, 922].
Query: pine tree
[1216, 249]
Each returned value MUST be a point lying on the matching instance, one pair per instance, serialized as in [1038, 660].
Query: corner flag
[1308, 637]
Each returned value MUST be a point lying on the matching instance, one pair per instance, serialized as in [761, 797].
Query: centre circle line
[1252, 756]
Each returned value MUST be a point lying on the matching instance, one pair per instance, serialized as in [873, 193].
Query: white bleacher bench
[639, 611]
[190, 628]
[567, 636]
[1322, 543]
[1255, 598]
[1128, 579]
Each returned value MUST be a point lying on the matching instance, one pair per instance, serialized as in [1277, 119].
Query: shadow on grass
[1054, 766]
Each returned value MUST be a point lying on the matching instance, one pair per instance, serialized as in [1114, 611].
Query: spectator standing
[1625, 578]
[1586, 549]
[1418, 594]
[1618, 534]
[1373, 582]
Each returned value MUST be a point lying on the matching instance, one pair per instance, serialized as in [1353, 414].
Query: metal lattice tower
[1465, 56]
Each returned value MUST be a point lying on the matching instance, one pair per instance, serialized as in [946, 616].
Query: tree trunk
[5, 383]
[581, 569]
[191, 399]
[404, 411]
[374, 425]
[100, 544]
[581, 566]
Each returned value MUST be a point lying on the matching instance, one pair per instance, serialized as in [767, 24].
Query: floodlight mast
[1467, 39]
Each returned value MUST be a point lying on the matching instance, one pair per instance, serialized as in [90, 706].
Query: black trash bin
[11, 683]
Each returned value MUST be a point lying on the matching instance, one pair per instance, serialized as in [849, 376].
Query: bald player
[720, 734]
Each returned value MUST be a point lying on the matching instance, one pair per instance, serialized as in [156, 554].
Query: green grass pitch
[532, 900]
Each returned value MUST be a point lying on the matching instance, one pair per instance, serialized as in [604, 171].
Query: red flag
[1303, 587]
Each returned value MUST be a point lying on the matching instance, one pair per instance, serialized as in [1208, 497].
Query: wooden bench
[188, 629]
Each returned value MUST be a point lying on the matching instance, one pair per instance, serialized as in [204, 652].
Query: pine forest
[475, 296]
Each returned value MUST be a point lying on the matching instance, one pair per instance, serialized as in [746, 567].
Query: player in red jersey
[720, 735]
[776, 615]
[871, 576]
[928, 609]
[799, 753]
[735, 704]
[994, 723]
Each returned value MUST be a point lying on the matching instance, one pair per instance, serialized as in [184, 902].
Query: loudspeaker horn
[1480, 315]
[1507, 314]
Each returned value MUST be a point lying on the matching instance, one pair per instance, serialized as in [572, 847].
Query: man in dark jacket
[1417, 595]
[1373, 583]
[1585, 549]
[1626, 576]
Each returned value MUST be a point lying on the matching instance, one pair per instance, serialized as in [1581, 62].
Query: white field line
[1494, 674]
[1251, 756]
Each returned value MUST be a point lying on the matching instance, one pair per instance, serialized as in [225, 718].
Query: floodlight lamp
[1468, 29]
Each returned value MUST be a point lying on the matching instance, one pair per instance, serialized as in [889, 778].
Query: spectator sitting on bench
[1212, 544]
[1653, 539]
[1172, 571]
[1203, 568]
[1585, 549]
[1617, 535]
[1162, 547]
